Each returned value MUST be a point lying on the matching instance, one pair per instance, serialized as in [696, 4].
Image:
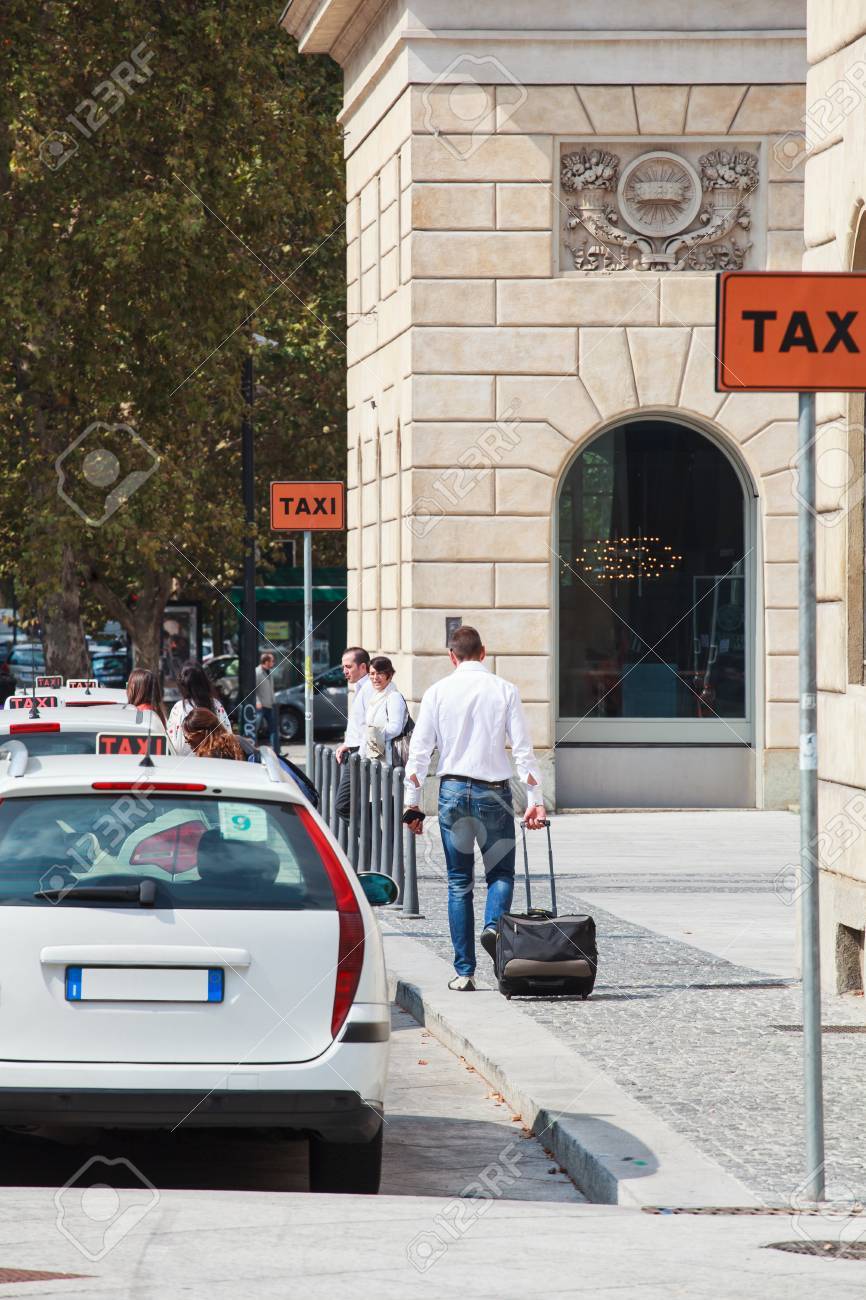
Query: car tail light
[350, 953]
[144, 784]
[33, 726]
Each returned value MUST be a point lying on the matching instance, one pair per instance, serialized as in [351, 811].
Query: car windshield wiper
[143, 893]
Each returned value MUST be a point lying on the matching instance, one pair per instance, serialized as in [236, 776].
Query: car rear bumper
[338, 1116]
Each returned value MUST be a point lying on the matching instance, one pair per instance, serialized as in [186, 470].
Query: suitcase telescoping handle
[549, 865]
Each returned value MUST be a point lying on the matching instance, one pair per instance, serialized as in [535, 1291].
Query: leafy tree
[171, 183]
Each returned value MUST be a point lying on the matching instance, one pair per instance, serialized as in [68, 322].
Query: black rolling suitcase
[539, 953]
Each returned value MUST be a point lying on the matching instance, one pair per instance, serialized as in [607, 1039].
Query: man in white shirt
[356, 667]
[470, 717]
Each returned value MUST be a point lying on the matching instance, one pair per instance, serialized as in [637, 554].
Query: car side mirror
[379, 890]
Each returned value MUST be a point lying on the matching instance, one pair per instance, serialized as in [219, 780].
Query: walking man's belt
[475, 780]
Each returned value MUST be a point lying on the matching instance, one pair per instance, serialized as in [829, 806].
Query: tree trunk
[60, 619]
[143, 621]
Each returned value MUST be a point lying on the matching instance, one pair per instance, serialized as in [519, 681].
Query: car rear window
[40, 743]
[201, 853]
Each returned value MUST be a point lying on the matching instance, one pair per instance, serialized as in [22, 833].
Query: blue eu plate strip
[215, 985]
[73, 983]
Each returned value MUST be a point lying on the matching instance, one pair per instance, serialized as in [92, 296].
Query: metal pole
[809, 882]
[376, 815]
[318, 769]
[334, 821]
[386, 863]
[249, 629]
[410, 876]
[397, 842]
[354, 761]
[364, 814]
[308, 649]
[325, 789]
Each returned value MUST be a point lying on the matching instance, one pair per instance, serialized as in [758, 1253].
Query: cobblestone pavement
[713, 1047]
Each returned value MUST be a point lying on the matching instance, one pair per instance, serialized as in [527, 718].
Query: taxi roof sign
[298, 507]
[49, 682]
[28, 701]
[790, 331]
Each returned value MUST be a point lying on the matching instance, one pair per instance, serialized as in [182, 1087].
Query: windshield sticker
[241, 821]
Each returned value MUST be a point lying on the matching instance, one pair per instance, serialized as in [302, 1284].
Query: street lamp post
[249, 630]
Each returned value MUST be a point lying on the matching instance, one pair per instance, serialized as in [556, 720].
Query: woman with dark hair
[387, 713]
[196, 692]
[144, 691]
[206, 738]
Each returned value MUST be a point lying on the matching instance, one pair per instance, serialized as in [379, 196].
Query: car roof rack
[17, 754]
[272, 764]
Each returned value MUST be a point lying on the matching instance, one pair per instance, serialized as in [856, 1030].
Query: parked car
[145, 955]
[26, 662]
[111, 669]
[330, 705]
[223, 673]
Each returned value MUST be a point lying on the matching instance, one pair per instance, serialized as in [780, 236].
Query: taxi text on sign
[301, 506]
[792, 331]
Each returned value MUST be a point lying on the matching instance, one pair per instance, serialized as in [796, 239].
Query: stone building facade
[836, 241]
[538, 201]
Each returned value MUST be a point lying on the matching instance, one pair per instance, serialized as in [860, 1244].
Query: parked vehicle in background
[111, 669]
[330, 705]
[26, 663]
[222, 671]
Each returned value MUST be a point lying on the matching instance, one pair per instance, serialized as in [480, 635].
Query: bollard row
[370, 830]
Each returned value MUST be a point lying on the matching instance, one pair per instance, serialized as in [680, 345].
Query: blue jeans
[268, 716]
[471, 813]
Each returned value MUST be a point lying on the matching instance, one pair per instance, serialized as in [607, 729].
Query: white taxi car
[62, 696]
[189, 947]
[119, 729]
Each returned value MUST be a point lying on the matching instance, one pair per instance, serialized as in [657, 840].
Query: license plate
[144, 984]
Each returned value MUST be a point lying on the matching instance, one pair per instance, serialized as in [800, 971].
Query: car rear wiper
[143, 893]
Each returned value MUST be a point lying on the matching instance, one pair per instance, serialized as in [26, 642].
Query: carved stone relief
[630, 208]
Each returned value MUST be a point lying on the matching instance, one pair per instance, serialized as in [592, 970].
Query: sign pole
[809, 882]
[308, 651]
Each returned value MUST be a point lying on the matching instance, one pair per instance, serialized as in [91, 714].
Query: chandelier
[626, 559]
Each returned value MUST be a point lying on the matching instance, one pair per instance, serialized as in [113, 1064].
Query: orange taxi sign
[302, 506]
[790, 331]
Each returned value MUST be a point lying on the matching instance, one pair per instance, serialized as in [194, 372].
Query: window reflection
[652, 578]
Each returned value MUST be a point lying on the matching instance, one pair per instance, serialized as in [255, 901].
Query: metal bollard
[376, 815]
[318, 761]
[333, 819]
[385, 858]
[410, 877]
[324, 786]
[363, 863]
[354, 808]
[397, 822]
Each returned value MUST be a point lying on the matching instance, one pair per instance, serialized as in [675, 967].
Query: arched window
[655, 595]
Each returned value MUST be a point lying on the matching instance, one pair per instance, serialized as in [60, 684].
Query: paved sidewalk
[711, 1045]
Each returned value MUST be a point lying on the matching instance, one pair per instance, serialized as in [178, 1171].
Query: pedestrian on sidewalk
[356, 668]
[387, 711]
[196, 692]
[470, 717]
[265, 704]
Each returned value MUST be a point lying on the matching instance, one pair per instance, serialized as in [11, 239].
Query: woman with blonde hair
[207, 738]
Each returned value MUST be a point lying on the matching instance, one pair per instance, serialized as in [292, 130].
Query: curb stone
[616, 1150]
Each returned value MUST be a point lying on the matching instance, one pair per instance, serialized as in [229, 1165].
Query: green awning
[290, 595]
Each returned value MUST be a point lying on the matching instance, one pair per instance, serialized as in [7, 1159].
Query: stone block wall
[835, 231]
[479, 364]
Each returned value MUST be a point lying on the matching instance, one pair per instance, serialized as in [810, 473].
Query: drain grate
[856, 1210]
[33, 1275]
[823, 1249]
[825, 1029]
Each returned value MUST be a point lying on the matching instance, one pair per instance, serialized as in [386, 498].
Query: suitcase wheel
[584, 996]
